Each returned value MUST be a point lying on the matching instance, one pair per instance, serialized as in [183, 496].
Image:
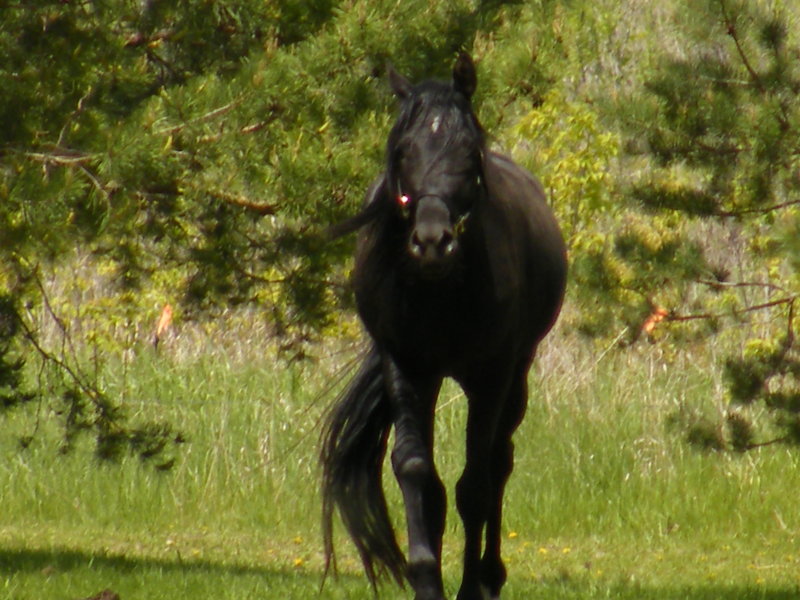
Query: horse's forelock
[435, 108]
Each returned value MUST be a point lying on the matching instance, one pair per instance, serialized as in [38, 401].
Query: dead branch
[694, 317]
[245, 202]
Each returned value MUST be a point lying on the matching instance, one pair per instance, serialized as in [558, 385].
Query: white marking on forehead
[437, 120]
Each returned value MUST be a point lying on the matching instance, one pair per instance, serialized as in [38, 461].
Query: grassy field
[607, 500]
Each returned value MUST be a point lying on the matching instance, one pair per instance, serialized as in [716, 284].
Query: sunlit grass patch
[606, 499]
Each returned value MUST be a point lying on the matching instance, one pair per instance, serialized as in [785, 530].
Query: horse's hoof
[487, 595]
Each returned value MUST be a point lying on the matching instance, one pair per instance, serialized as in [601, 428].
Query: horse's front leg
[479, 490]
[493, 571]
[413, 403]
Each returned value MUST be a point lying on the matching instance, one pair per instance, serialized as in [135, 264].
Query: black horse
[460, 271]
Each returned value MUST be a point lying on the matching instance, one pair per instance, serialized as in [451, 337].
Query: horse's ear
[464, 78]
[400, 85]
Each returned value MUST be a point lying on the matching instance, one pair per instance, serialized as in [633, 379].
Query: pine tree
[199, 147]
[720, 127]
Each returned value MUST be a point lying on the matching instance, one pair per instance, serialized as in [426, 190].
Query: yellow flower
[513, 535]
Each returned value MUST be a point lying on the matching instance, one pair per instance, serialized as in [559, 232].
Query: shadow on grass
[61, 561]
[70, 574]
[73, 574]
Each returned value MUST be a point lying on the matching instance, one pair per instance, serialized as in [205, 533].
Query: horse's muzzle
[432, 242]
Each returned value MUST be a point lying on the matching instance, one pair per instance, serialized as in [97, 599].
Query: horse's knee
[410, 465]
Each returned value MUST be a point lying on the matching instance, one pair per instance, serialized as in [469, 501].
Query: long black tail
[353, 448]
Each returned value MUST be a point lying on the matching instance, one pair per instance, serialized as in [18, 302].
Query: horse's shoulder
[519, 224]
[512, 181]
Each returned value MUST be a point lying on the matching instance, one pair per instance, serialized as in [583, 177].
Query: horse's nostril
[447, 243]
[432, 245]
[416, 246]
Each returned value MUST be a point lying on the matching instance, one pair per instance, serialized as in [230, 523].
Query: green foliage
[12, 392]
[191, 154]
[715, 138]
[768, 373]
[564, 143]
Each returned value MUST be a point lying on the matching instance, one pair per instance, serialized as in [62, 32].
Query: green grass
[607, 500]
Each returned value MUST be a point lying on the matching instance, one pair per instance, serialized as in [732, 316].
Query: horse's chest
[436, 327]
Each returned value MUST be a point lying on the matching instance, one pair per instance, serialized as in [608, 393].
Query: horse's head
[435, 155]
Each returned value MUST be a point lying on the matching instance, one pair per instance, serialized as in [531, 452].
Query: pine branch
[75, 113]
[75, 374]
[245, 202]
[772, 442]
[106, 419]
[741, 284]
[695, 317]
[90, 391]
[757, 211]
[731, 30]
[247, 129]
[63, 158]
[202, 118]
